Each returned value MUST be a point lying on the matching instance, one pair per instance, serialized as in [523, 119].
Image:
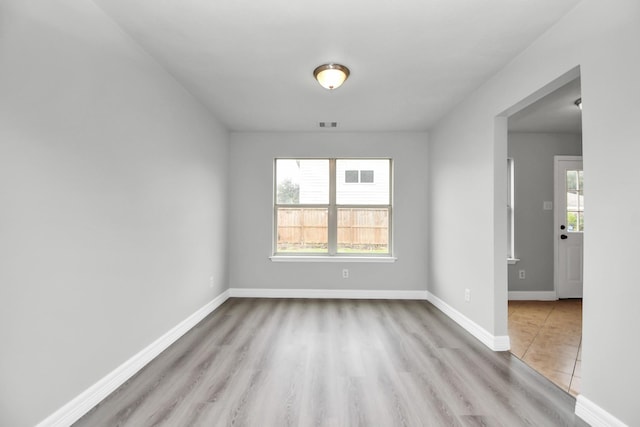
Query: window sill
[302, 258]
[512, 261]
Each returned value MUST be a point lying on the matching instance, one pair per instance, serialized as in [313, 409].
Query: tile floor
[547, 335]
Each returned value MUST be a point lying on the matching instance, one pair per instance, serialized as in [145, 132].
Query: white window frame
[332, 208]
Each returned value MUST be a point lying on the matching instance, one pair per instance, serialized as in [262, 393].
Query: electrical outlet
[211, 281]
[345, 273]
[521, 274]
[467, 295]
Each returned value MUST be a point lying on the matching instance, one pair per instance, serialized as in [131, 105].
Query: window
[351, 176]
[354, 176]
[366, 176]
[575, 200]
[318, 210]
[510, 210]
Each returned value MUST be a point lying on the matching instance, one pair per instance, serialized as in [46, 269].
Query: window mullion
[333, 214]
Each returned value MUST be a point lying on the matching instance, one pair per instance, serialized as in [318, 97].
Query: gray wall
[602, 39]
[112, 181]
[532, 154]
[251, 204]
[113, 186]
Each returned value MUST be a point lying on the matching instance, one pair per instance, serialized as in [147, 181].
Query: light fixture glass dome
[331, 76]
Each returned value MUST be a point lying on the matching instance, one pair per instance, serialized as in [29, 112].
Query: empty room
[293, 213]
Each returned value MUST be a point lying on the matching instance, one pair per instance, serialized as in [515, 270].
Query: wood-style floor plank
[277, 362]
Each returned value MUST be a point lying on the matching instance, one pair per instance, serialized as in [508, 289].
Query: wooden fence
[358, 228]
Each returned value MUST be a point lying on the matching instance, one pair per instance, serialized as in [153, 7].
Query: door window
[575, 201]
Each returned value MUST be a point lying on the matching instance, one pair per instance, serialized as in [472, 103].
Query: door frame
[556, 221]
[500, 266]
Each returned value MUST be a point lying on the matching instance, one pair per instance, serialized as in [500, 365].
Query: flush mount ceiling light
[578, 103]
[331, 76]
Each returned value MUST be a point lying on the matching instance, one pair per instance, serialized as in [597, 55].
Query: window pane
[575, 201]
[302, 181]
[581, 220]
[581, 180]
[510, 210]
[580, 201]
[363, 230]
[351, 176]
[509, 181]
[572, 180]
[287, 182]
[373, 172]
[302, 230]
[572, 221]
[509, 231]
[572, 200]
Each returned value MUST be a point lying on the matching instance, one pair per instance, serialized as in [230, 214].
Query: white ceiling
[251, 61]
[554, 113]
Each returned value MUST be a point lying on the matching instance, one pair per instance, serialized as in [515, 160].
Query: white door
[569, 226]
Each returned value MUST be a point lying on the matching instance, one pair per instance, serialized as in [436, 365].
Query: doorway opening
[544, 320]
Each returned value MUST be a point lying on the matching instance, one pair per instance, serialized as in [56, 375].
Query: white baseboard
[495, 343]
[326, 293]
[594, 415]
[533, 296]
[83, 403]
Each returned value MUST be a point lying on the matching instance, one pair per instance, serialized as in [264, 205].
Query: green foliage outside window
[288, 192]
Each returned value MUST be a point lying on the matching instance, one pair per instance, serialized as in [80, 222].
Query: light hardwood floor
[275, 362]
[547, 335]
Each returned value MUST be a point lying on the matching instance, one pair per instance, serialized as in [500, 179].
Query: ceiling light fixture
[331, 76]
[579, 103]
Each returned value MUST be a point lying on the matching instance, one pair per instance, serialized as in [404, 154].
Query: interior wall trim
[594, 415]
[326, 293]
[495, 343]
[85, 401]
[533, 296]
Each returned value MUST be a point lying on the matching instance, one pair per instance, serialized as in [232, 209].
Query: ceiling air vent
[328, 124]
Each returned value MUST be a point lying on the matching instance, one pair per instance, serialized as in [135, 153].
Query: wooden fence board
[357, 227]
